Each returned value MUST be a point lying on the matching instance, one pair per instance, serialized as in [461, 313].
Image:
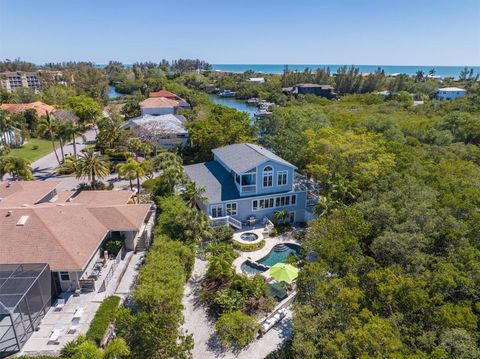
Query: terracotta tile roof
[65, 234]
[158, 102]
[40, 107]
[18, 193]
[164, 93]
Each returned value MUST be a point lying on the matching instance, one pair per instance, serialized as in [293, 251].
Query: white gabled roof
[168, 123]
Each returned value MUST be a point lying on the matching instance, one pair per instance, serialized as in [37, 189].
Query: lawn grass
[28, 151]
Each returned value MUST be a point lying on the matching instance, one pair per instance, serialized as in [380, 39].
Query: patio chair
[59, 304]
[74, 325]
[78, 313]
[53, 339]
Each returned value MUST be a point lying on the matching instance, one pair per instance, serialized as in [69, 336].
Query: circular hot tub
[248, 237]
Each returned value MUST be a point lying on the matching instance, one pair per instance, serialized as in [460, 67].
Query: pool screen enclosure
[25, 297]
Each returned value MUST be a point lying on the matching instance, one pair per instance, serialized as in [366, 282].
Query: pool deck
[256, 255]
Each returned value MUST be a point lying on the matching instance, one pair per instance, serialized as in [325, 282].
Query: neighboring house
[11, 138]
[40, 107]
[162, 106]
[257, 80]
[246, 182]
[167, 130]
[326, 91]
[11, 81]
[67, 230]
[450, 93]
[64, 114]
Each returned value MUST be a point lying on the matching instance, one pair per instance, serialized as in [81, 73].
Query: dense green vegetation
[151, 327]
[235, 299]
[104, 315]
[397, 243]
[397, 240]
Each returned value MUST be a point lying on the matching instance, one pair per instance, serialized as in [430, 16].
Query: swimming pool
[278, 254]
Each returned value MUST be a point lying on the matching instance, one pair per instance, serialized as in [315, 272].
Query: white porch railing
[225, 221]
[249, 188]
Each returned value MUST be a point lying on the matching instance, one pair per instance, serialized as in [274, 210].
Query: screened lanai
[25, 297]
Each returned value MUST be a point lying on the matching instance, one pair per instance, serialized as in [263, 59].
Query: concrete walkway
[198, 323]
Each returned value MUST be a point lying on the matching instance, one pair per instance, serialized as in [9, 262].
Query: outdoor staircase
[281, 248]
[87, 285]
[141, 245]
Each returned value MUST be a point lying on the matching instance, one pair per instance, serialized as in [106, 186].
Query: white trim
[269, 173]
[294, 215]
[290, 204]
[236, 209]
[216, 206]
[281, 172]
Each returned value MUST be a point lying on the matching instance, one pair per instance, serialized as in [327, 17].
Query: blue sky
[401, 32]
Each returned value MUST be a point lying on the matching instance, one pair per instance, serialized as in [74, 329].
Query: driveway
[44, 168]
[198, 323]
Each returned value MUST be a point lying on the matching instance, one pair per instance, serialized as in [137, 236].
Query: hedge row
[250, 247]
[105, 314]
[151, 329]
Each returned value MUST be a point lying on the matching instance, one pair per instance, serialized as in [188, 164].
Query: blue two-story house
[246, 183]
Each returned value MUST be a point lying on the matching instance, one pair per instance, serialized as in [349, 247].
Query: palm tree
[19, 168]
[84, 348]
[432, 72]
[280, 217]
[49, 125]
[89, 165]
[71, 131]
[171, 167]
[193, 194]
[419, 75]
[130, 170]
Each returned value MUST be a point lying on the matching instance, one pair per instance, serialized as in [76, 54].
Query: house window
[294, 199]
[282, 178]
[64, 276]
[254, 205]
[217, 211]
[249, 177]
[268, 176]
[231, 209]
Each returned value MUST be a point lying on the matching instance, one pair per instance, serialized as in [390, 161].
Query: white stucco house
[168, 131]
[450, 93]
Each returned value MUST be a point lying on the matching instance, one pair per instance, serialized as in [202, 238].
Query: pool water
[249, 237]
[278, 254]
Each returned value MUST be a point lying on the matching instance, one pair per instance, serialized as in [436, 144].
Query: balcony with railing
[225, 221]
[303, 183]
[249, 188]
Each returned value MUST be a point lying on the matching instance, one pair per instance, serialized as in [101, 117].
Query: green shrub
[250, 247]
[228, 300]
[113, 245]
[105, 314]
[236, 329]
[151, 183]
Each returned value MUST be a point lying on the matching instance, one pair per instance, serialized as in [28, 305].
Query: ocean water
[443, 71]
